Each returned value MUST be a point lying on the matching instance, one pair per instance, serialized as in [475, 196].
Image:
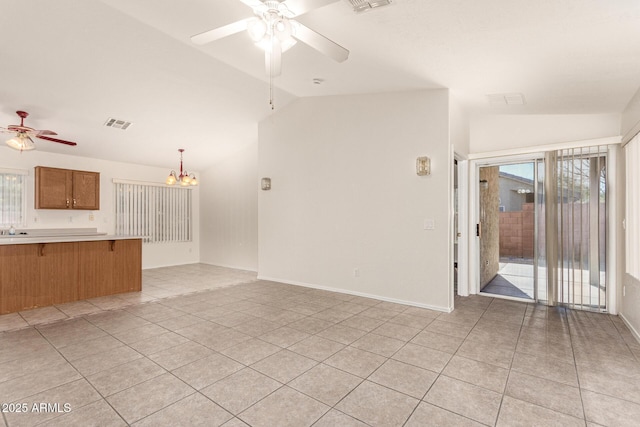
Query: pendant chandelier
[184, 179]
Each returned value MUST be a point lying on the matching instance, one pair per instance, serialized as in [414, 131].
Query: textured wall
[490, 223]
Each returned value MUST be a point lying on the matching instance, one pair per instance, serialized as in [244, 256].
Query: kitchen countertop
[26, 239]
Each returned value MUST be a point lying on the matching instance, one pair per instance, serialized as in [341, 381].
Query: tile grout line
[573, 354]
[506, 384]
[82, 377]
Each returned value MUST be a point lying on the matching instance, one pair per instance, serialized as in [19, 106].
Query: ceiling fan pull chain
[271, 76]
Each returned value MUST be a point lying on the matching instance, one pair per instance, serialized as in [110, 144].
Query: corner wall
[153, 255]
[630, 123]
[346, 210]
[230, 211]
[630, 293]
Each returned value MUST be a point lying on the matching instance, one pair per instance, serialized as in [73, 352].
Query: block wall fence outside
[517, 233]
[517, 238]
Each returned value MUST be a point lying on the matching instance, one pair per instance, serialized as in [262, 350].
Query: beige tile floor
[235, 351]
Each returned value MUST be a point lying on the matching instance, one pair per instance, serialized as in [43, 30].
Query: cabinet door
[19, 280]
[86, 190]
[53, 188]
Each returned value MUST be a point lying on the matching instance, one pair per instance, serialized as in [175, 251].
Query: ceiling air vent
[360, 6]
[118, 124]
[500, 99]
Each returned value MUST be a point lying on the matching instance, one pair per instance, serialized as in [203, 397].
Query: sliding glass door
[507, 229]
[542, 228]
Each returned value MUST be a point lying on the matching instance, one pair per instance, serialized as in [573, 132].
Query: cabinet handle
[112, 245]
[41, 249]
[67, 202]
[74, 203]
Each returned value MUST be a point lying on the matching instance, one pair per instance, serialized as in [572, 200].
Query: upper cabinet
[67, 189]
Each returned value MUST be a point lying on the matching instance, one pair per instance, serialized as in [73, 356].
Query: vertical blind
[158, 214]
[12, 197]
[576, 198]
[632, 217]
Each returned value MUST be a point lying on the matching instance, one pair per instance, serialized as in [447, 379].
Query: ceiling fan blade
[46, 132]
[298, 7]
[273, 59]
[254, 4]
[320, 43]
[220, 32]
[61, 141]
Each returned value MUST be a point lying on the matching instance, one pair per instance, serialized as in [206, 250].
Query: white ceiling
[74, 63]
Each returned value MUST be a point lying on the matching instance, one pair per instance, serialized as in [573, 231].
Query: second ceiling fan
[274, 29]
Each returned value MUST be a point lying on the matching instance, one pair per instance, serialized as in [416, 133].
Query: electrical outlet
[91, 217]
[486, 263]
[356, 272]
[70, 219]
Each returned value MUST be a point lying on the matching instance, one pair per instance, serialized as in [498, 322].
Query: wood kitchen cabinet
[67, 189]
[110, 267]
[19, 280]
[43, 274]
[58, 268]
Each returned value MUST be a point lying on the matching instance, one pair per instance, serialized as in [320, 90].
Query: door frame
[475, 215]
[463, 218]
[615, 210]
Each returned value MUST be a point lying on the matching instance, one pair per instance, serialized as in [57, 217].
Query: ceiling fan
[22, 140]
[274, 29]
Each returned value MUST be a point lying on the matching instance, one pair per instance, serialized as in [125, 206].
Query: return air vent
[118, 124]
[360, 6]
[500, 99]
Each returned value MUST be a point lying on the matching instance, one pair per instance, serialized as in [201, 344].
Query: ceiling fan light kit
[21, 142]
[185, 179]
[22, 139]
[275, 31]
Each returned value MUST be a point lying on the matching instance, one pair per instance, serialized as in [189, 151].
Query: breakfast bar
[38, 271]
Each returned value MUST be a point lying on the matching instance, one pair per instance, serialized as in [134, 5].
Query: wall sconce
[265, 183]
[423, 166]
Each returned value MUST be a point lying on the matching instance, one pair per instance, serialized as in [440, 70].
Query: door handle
[75, 202]
[68, 203]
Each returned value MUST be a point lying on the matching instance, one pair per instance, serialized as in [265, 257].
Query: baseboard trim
[234, 267]
[359, 294]
[633, 331]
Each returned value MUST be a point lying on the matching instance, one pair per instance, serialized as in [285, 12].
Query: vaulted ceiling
[72, 64]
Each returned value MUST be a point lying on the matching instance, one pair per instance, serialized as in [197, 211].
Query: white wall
[459, 127]
[345, 195]
[501, 132]
[630, 124]
[630, 299]
[153, 255]
[229, 211]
